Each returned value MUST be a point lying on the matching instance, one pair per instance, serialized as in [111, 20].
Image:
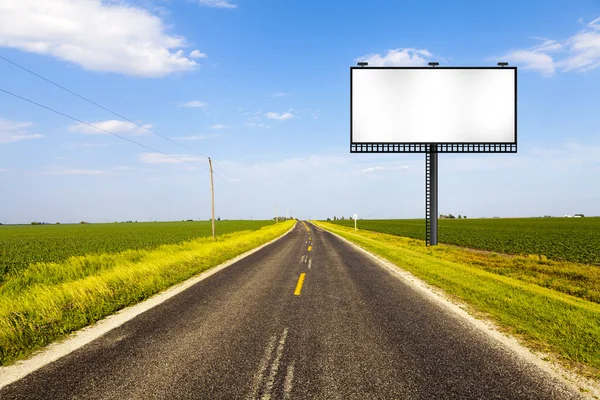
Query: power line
[219, 176]
[100, 129]
[226, 173]
[118, 115]
[120, 137]
[223, 179]
[99, 105]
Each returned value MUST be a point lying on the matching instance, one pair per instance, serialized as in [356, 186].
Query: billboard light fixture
[433, 64]
[363, 64]
[502, 64]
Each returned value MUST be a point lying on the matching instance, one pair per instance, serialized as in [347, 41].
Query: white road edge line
[539, 359]
[80, 338]
[262, 367]
[309, 263]
[275, 366]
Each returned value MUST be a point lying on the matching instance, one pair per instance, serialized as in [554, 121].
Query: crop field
[562, 239]
[21, 245]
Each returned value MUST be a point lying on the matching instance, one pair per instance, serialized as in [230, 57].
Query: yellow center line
[299, 285]
[309, 248]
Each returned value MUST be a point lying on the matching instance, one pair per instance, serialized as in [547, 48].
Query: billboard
[465, 109]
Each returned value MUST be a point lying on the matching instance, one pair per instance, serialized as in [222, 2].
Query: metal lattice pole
[434, 197]
[427, 197]
[431, 196]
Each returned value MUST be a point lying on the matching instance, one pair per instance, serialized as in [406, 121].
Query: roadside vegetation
[561, 239]
[22, 245]
[554, 306]
[45, 301]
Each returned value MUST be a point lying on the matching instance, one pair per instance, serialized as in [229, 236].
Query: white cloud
[374, 169]
[398, 58]
[12, 131]
[580, 52]
[114, 126]
[534, 58]
[278, 116]
[97, 35]
[530, 59]
[70, 171]
[14, 125]
[17, 137]
[217, 3]
[196, 54]
[547, 45]
[584, 49]
[254, 122]
[157, 158]
[218, 126]
[281, 94]
[194, 104]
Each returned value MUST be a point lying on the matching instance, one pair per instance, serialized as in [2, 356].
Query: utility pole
[212, 195]
[277, 213]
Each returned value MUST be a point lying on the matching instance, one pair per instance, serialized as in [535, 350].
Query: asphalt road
[352, 330]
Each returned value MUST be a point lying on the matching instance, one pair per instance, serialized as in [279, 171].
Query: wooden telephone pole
[212, 194]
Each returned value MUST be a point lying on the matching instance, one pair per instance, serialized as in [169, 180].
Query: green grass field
[22, 245]
[562, 239]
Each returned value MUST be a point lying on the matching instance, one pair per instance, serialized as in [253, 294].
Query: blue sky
[263, 88]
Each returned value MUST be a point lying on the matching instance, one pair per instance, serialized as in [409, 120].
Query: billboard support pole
[431, 196]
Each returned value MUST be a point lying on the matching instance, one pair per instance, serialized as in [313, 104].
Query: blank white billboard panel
[433, 105]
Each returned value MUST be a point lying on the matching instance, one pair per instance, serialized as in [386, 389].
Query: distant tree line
[339, 219]
[451, 216]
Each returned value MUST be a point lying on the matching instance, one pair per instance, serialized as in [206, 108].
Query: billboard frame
[442, 147]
